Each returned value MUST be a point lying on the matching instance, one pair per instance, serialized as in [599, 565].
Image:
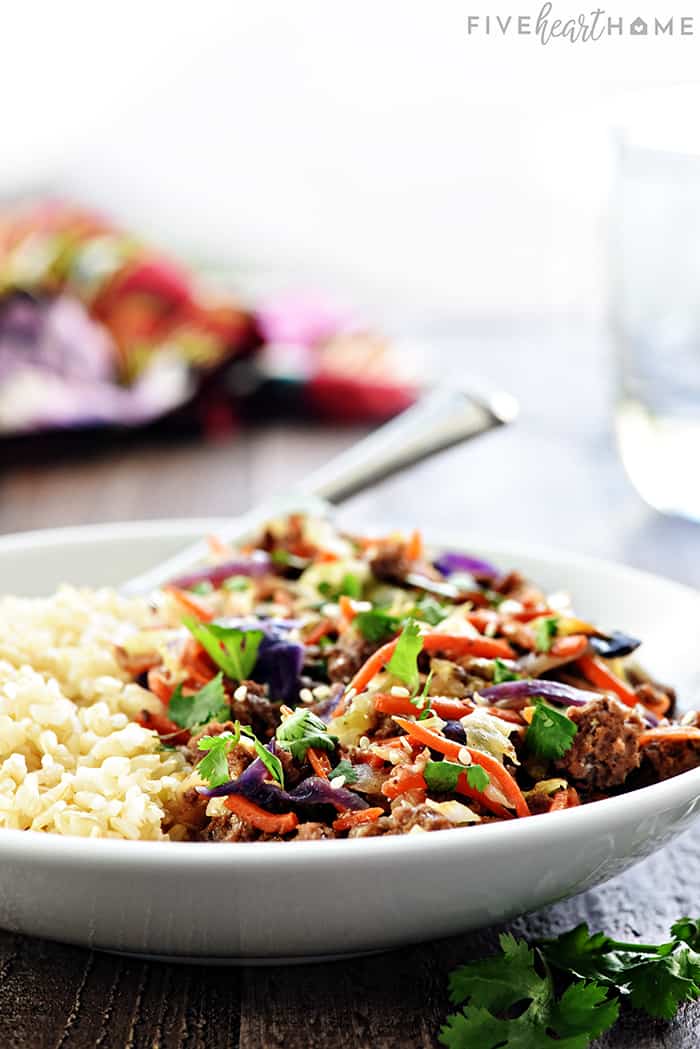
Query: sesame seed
[364, 742]
[306, 695]
[399, 690]
[337, 782]
[241, 693]
[464, 757]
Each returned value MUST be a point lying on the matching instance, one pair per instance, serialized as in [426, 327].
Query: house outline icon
[638, 27]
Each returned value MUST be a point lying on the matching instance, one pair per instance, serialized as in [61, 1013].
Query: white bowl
[267, 902]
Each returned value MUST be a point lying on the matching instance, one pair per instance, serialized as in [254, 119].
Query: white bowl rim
[67, 849]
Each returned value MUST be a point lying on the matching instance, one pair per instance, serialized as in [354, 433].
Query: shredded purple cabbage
[505, 693]
[254, 784]
[256, 565]
[450, 562]
[280, 660]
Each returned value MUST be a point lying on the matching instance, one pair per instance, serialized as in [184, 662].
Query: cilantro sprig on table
[550, 733]
[597, 973]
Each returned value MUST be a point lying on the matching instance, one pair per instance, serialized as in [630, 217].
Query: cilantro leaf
[545, 631]
[657, 978]
[503, 673]
[236, 583]
[303, 729]
[209, 704]
[429, 610]
[404, 662]
[477, 777]
[423, 701]
[376, 625]
[443, 776]
[345, 769]
[214, 766]
[234, 650]
[492, 988]
[549, 734]
[350, 586]
[659, 984]
[687, 930]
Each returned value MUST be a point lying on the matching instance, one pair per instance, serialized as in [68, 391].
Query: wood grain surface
[553, 478]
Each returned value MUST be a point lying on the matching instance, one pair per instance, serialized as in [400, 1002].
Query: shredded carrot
[356, 819]
[513, 716]
[449, 709]
[483, 799]
[599, 675]
[159, 685]
[217, 547]
[404, 779]
[451, 750]
[191, 603]
[319, 631]
[570, 647]
[162, 724]
[678, 733]
[454, 645]
[326, 556]
[414, 546]
[268, 822]
[347, 608]
[319, 762]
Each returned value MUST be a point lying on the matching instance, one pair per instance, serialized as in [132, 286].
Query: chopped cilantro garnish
[429, 610]
[350, 586]
[205, 587]
[234, 650]
[423, 701]
[550, 733]
[545, 631]
[214, 767]
[209, 704]
[502, 673]
[442, 776]
[303, 729]
[345, 769]
[376, 625]
[404, 662]
[236, 583]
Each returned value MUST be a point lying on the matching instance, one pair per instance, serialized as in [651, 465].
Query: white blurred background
[374, 144]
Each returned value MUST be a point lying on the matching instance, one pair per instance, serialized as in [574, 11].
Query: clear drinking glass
[655, 244]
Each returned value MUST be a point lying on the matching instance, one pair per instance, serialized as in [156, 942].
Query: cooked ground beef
[389, 562]
[605, 748]
[256, 710]
[669, 757]
[347, 655]
[189, 809]
[312, 832]
[239, 757]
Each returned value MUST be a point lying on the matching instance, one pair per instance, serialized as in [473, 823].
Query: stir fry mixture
[324, 685]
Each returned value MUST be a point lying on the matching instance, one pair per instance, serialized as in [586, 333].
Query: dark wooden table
[554, 478]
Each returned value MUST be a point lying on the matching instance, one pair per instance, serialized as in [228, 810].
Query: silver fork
[440, 418]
